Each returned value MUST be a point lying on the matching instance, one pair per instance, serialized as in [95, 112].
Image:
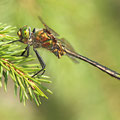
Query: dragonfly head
[24, 34]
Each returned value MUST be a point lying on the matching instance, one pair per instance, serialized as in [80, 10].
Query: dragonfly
[49, 39]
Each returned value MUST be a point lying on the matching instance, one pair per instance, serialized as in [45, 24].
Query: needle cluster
[13, 66]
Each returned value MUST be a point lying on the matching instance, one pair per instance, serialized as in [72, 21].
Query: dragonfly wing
[67, 45]
[73, 59]
[48, 28]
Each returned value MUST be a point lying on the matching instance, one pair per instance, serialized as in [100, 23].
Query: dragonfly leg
[34, 30]
[41, 62]
[26, 49]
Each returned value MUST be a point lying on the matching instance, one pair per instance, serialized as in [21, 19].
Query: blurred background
[81, 91]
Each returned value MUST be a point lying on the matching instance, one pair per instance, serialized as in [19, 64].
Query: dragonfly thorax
[42, 38]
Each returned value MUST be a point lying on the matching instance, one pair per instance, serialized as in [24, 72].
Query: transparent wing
[48, 28]
[68, 46]
[73, 59]
[64, 42]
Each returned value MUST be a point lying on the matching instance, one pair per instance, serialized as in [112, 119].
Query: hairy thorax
[42, 38]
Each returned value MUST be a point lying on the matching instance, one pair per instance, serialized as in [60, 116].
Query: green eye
[25, 32]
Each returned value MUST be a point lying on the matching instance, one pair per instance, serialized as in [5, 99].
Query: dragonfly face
[24, 34]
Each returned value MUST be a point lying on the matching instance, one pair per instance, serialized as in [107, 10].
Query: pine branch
[13, 65]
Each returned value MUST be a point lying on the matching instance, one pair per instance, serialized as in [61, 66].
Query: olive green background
[81, 91]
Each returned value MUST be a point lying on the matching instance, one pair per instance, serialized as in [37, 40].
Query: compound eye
[19, 33]
[25, 32]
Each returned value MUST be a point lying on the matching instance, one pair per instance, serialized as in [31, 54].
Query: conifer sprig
[13, 65]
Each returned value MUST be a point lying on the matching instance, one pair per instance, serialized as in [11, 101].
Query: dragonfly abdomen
[101, 67]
